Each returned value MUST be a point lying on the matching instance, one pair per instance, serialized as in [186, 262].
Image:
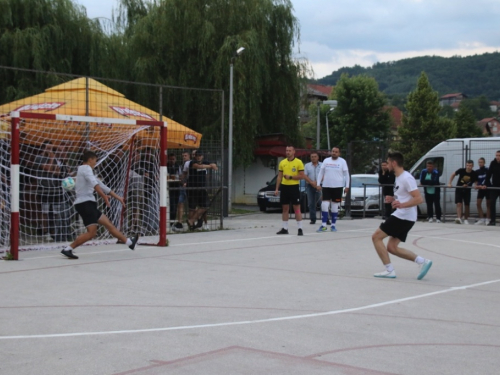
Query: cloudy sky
[337, 33]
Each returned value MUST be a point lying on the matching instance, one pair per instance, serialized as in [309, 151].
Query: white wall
[247, 182]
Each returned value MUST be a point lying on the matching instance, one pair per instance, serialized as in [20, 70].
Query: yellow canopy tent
[73, 98]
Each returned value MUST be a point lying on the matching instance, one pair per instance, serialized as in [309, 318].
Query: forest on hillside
[472, 75]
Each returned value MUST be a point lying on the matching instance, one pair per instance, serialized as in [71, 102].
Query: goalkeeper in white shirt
[86, 205]
[332, 178]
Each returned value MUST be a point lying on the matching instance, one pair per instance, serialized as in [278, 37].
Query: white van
[450, 155]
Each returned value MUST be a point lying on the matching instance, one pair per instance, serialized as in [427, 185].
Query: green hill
[472, 75]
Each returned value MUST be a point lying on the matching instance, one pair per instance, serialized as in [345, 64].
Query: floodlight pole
[332, 104]
[230, 135]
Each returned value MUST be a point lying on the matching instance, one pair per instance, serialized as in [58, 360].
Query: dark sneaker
[300, 232]
[283, 231]
[134, 242]
[190, 226]
[69, 254]
[199, 223]
[178, 225]
[313, 222]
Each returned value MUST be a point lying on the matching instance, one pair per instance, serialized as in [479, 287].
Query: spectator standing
[174, 172]
[186, 159]
[466, 177]
[290, 172]
[493, 180]
[482, 193]
[386, 177]
[311, 170]
[429, 178]
[48, 187]
[198, 197]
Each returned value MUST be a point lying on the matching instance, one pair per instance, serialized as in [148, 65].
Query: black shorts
[332, 194]
[396, 227]
[289, 194]
[462, 195]
[89, 212]
[197, 198]
[481, 193]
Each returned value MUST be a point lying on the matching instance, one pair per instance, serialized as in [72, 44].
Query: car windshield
[357, 181]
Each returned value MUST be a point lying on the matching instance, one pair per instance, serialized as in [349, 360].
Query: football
[68, 183]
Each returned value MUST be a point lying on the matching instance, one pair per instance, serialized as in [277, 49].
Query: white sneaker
[466, 222]
[438, 221]
[487, 221]
[424, 268]
[479, 222]
[206, 227]
[430, 220]
[386, 274]
[458, 220]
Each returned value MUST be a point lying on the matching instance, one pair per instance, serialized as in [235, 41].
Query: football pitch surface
[247, 301]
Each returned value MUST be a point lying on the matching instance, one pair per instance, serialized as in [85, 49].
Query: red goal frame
[16, 118]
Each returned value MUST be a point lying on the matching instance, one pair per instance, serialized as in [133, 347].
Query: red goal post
[120, 145]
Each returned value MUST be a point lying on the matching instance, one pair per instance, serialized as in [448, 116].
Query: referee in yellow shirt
[291, 171]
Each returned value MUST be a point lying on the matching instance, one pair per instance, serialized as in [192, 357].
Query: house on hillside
[315, 93]
[495, 107]
[490, 126]
[452, 99]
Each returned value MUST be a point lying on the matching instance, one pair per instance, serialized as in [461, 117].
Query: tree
[191, 43]
[422, 128]
[360, 114]
[479, 107]
[466, 123]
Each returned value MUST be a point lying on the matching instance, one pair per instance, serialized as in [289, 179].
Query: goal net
[38, 151]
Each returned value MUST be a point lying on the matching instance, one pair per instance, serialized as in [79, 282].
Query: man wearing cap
[197, 194]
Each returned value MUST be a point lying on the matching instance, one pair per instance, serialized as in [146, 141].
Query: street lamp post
[332, 104]
[317, 127]
[328, 130]
[238, 52]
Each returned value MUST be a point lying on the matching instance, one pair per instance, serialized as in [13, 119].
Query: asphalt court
[246, 301]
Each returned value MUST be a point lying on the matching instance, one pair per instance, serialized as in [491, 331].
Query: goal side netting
[39, 151]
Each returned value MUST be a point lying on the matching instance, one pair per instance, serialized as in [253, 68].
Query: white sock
[389, 267]
[419, 260]
[285, 225]
[128, 242]
[299, 224]
[68, 248]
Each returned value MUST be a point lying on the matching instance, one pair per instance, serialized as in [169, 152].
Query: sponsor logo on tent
[48, 106]
[125, 111]
[190, 137]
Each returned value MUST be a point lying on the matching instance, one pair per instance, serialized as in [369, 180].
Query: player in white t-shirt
[396, 227]
[332, 178]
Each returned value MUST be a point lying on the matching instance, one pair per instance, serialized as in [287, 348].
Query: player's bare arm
[414, 201]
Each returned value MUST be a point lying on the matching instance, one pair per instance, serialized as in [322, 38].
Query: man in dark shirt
[430, 179]
[493, 180]
[482, 193]
[386, 177]
[174, 173]
[466, 177]
[198, 197]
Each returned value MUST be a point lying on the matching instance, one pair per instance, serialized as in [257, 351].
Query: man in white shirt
[86, 205]
[396, 227]
[332, 178]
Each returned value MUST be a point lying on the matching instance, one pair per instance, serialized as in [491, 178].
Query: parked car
[266, 198]
[371, 201]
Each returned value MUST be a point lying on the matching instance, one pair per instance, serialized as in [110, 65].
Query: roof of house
[453, 95]
[319, 90]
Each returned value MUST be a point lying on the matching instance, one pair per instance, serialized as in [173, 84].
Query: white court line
[195, 244]
[245, 322]
[447, 239]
